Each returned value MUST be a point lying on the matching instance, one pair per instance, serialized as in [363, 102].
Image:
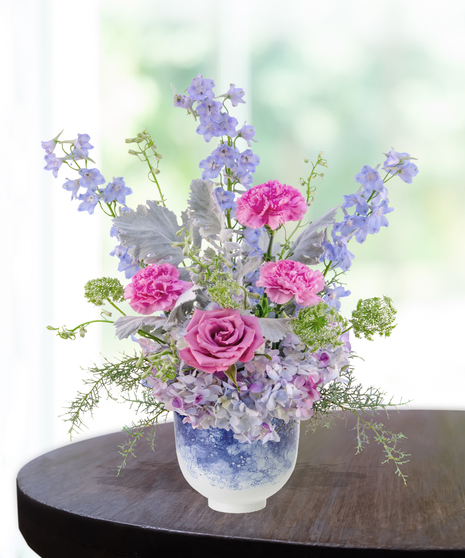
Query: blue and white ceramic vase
[235, 477]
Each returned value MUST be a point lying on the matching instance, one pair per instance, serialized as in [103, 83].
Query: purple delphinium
[234, 94]
[211, 168]
[89, 200]
[127, 264]
[252, 236]
[337, 252]
[225, 155]
[378, 217]
[53, 163]
[247, 133]
[116, 191]
[207, 109]
[91, 179]
[225, 198]
[361, 205]
[183, 101]
[332, 296]
[73, 187]
[248, 160]
[50, 145]
[208, 130]
[81, 146]
[370, 179]
[226, 125]
[201, 88]
[400, 164]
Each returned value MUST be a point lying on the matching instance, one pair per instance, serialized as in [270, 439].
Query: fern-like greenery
[347, 395]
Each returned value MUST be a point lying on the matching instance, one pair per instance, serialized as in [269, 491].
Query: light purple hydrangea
[283, 386]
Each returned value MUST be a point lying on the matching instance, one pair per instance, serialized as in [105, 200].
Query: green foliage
[147, 153]
[97, 291]
[165, 361]
[319, 326]
[311, 189]
[222, 293]
[220, 285]
[347, 395]
[122, 374]
[374, 315]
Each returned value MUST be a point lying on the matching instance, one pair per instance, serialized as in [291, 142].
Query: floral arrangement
[237, 306]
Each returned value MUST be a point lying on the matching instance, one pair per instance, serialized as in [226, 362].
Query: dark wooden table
[72, 505]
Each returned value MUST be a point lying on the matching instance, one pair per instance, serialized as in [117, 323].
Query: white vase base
[236, 508]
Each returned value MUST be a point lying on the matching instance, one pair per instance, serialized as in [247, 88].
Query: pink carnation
[155, 287]
[270, 204]
[219, 338]
[285, 279]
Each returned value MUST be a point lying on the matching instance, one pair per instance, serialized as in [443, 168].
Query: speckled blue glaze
[216, 455]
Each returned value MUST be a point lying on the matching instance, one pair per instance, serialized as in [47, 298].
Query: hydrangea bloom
[286, 279]
[219, 338]
[284, 387]
[270, 204]
[155, 287]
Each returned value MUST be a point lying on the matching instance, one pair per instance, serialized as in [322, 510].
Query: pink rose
[155, 287]
[285, 279]
[219, 338]
[270, 204]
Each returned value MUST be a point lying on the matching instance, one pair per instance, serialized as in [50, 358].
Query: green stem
[114, 306]
[271, 232]
[143, 333]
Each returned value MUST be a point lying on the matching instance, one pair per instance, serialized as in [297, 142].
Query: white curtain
[50, 80]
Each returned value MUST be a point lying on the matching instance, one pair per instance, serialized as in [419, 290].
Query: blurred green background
[352, 79]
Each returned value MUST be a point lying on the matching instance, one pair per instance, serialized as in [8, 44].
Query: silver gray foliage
[246, 266]
[183, 306]
[203, 209]
[129, 325]
[274, 329]
[307, 248]
[149, 232]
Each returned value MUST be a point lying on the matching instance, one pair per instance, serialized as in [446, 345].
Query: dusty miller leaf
[150, 230]
[245, 267]
[203, 210]
[129, 325]
[274, 329]
[307, 248]
[183, 306]
[186, 222]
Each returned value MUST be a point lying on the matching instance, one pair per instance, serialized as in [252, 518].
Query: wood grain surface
[71, 503]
